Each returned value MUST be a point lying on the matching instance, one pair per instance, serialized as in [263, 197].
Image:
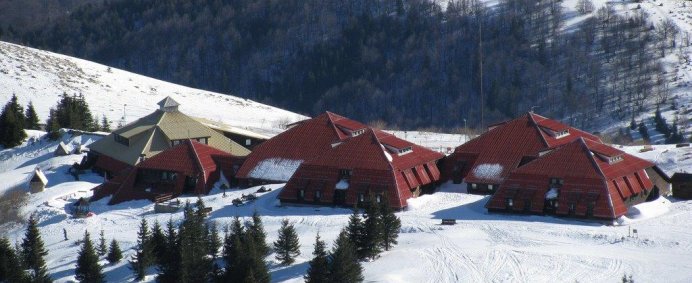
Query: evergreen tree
[232, 251]
[114, 252]
[373, 230]
[355, 232]
[195, 265]
[33, 252]
[53, 126]
[633, 124]
[318, 271]
[214, 241]
[105, 124]
[343, 265]
[287, 246]
[157, 242]
[253, 264]
[10, 265]
[256, 229]
[142, 258]
[32, 121]
[644, 131]
[169, 265]
[102, 249]
[88, 268]
[12, 124]
[391, 225]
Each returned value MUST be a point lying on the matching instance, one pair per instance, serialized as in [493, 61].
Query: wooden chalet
[583, 178]
[151, 135]
[485, 161]
[361, 165]
[682, 185]
[190, 167]
[275, 160]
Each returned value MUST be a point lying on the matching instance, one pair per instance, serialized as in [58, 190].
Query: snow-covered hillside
[41, 77]
[481, 247]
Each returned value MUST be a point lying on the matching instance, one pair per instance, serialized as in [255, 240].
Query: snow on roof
[551, 194]
[39, 174]
[342, 185]
[488, 171]
[275, 169]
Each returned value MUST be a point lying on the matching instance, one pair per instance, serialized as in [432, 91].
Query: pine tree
[88, 268]
[33, 252]
[31, 118]
[214, 241]
[343, 265]
[53, 126]
[318, 271]
[355, 231]
[259, 236]
[373, 230]
[169, 265]
[143, 253]
[195, 265]
[157, 242]
[253, 264]
[10, 265]
[12, 124]
[114, 252]
[287, 246]
[232, 251]
[391, 225]
[105, 124]
[102, 249]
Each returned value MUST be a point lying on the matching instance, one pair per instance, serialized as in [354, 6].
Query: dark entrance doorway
[339, 197]
[190, 184]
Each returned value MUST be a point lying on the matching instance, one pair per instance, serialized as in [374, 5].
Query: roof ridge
[195, 155]
[535, 126]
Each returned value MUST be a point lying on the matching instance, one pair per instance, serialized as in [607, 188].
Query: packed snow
[488, 171]
[275, 169]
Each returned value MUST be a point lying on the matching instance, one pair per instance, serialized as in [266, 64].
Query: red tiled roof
[508, 142]
[304, 141]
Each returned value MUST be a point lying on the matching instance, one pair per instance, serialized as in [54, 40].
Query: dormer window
[404, 150]
[345, 174]
[357, 132]
[556, 182]
[121, 140]
[615, 159]
[561, 134]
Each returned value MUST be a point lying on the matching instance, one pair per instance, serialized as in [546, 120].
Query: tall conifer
[33, 252]
[318, 271]
[88, 269]
[287, 246]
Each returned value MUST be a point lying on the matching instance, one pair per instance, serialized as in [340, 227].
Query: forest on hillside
[408, 63]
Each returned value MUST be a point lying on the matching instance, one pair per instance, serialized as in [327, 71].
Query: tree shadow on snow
[289, 272]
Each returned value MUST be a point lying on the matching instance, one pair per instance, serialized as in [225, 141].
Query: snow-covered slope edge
[41, 77]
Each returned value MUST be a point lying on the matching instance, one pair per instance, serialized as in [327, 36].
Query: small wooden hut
[38, 181]
[61, 150]
[81, 207]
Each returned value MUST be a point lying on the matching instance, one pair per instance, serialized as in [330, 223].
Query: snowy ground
[481, 247]
[41, 77]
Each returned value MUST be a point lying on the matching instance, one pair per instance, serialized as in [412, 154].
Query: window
[572, 208]
[361, 197]
[556, 182]
[121, 140]
[405, 150]
[490, 188]
[176, 142]
[345, 174]
[378, 198]
[509, 203]
[301, 194]
[248, 142]
[527, 205]
[168, 176]
[318, 195]
[474, 186]
[357, 132]
[589, 208]
[202, 140]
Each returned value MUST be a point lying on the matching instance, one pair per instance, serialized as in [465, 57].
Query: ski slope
[481, 247]
[41, 77]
